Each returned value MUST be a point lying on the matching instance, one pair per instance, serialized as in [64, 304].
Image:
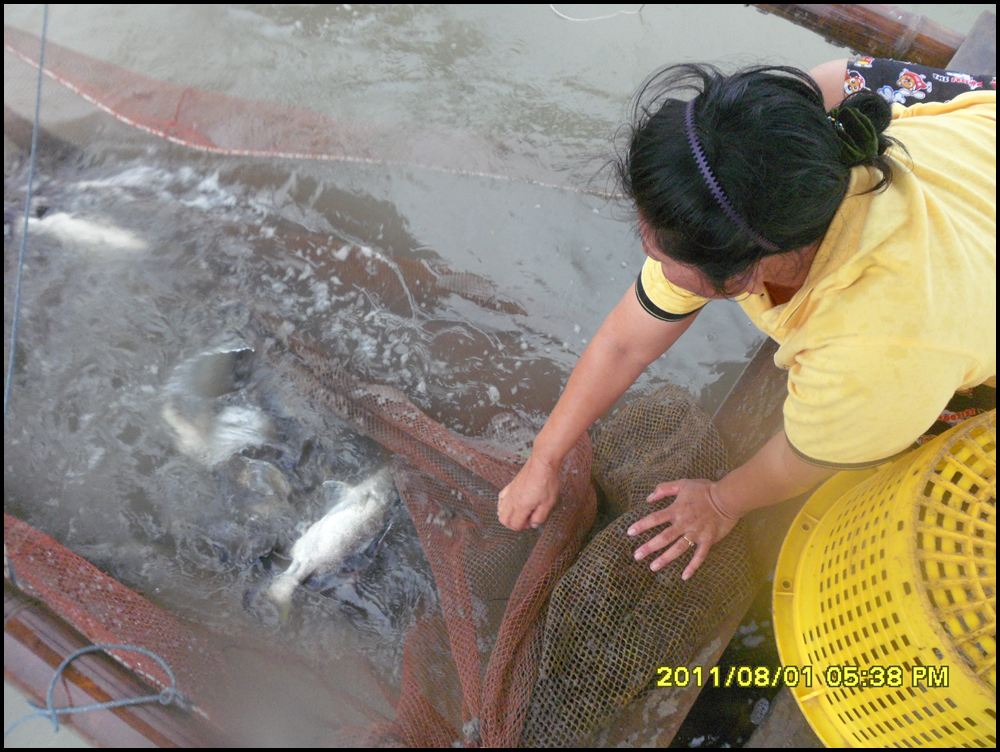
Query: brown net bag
[611, 620]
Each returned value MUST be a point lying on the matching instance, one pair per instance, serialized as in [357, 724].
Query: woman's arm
[627, 342]
[775, 473]
[830, 78]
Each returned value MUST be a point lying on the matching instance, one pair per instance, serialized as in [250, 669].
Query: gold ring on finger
[690, 542]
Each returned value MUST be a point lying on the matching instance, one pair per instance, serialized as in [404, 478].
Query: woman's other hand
[692, 523]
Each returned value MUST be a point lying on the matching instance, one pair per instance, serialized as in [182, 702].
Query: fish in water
[358, 514]
[212, 439]
[94, 235]
[205, 429]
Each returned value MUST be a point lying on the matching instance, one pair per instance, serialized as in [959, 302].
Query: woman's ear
[750, 282]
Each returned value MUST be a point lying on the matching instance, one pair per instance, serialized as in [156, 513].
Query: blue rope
[15, 317]
[168, 695]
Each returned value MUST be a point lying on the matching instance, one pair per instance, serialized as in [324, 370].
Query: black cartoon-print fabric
[908, 83]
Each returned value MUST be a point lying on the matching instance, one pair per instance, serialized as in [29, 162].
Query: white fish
[94, 235]
[211, 439]
[206, 429]
[354, 520]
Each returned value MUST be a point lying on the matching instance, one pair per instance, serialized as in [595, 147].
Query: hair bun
[859, 139]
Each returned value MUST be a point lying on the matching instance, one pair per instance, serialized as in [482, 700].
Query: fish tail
[280, 591]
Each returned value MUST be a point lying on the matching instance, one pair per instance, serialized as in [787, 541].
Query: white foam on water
[139, 176]
[212, 195]
[321, 297]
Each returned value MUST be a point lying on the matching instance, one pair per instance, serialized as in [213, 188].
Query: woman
[862, 240]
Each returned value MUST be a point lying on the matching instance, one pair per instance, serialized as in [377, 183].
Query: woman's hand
[693, 523]
[528, 499]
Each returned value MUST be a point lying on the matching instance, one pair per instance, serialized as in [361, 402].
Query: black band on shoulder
[653, 310]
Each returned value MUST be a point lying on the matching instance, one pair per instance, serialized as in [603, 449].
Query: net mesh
[106, 611]
[549, 636]
[611, 620]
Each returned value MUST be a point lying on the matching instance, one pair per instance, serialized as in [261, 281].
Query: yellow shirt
[898, 310]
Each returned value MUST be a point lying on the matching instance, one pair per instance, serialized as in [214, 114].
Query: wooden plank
[36, 641]
[879, 30]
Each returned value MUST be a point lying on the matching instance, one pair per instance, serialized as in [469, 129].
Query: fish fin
[281, 587]
[384, 533]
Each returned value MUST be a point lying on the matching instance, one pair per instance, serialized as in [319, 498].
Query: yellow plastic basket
[885, 603]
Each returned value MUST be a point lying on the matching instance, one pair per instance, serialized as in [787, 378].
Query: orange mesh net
[106, 611]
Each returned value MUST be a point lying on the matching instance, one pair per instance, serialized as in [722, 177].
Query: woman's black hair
[783, 162]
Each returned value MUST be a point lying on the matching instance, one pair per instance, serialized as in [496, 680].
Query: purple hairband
[713, 184]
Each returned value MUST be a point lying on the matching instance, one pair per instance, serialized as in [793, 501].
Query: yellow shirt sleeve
[662, 299]
[859, 404]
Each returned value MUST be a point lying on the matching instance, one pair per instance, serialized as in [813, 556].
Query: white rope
[597, 18]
